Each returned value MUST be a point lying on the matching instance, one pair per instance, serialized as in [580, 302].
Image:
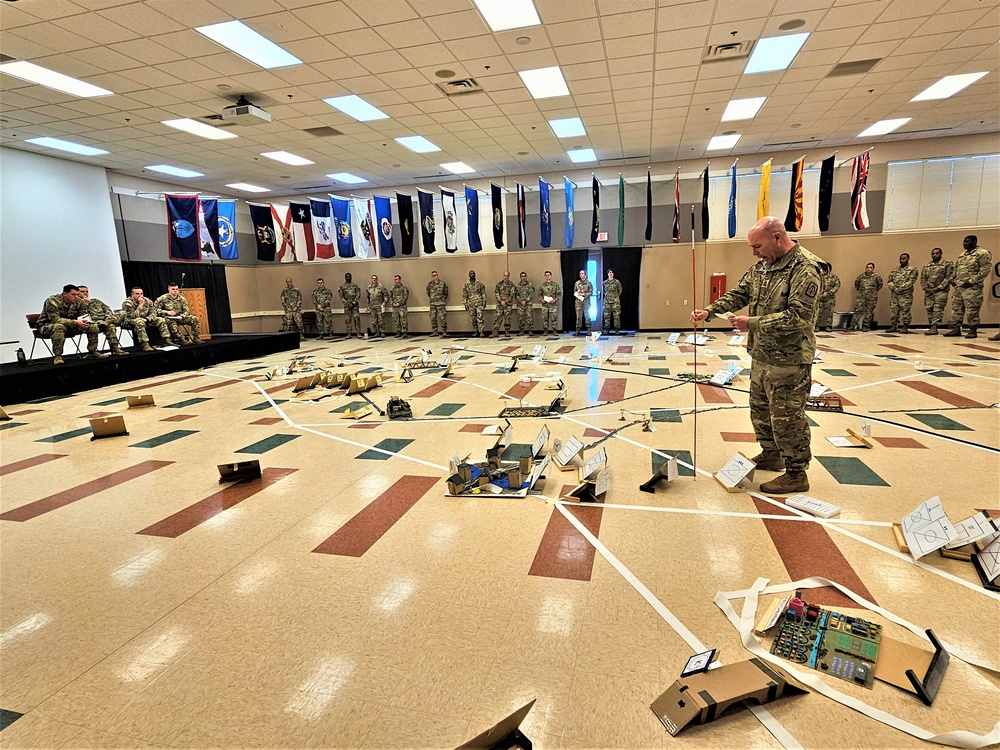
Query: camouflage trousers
[778, 396]
[378, 321]
[864, 308]
[900, 306]
[582, 315]
[324, 322]
[966, 301]
[140, 326]
[477, 317]
[439, 319]
[550, 318]
[190, 320]
[290, 321]
[57, 332]
[399, 319]
[934, 304]
[825, 317]
[525, 319]
[502, 318]
[352, 319]
[612, 312]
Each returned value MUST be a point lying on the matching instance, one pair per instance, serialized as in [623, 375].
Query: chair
[36, 337]
[309, 323]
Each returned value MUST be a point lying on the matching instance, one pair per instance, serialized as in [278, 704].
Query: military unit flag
[764, 199]
[383, 224]
[365, 230]
[621, 209]
[342, 226]
[227, 230]
[182, 220]
[649, 206]
[825, 192]
[704, 204]
[793, 218]
[263, 230]
[732, 203]
[208, 227]
[859, 200]
[570, 211]
[450, 219]
[425, 201]
[322, 228]
[676, 232]
[302, 233]
[595, 225]
[522, 237]
[544, 217]
[404, 206]
[472, 215]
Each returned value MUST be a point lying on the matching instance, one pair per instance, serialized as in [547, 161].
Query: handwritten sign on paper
[971, 529]
[737, 340]
[989, 559]
[540, 441]
[673, 338]
[818, 389]
[927, 528]
[568, 451]
[735, 470]
[594, 463]
[603, 482]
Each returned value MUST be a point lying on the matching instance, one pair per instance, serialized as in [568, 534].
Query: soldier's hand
[740, 322]
[698, 315]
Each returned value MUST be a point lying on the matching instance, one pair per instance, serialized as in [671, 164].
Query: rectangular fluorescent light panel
[570, 127]
[175, 171]
[947, 86]
[32, 73]
[286, 158]
[508, 14]
[198, 128]
[743, 109]
[884, 126]
[417, 143]
[580, 155]
[245, 42]
[347, 177]
[246, 187]
[356, 107]
[458, 167]
[723, 142]
[74, 148]
[544, 83]
[775, 53]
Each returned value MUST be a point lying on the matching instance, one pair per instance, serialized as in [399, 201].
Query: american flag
[677, 205]
[859, 201]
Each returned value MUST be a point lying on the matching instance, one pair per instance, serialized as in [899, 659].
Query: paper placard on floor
[540, 441]
[602, 482]
[972, 529]
[569, 450]
[696, 340]
[738, 340]
[988, 561]
[137, 401]
[734, 471]
[817, 389]
[851, 440]
[927, 528]
[538, 351]
[106, 427]
[673, 338]
[593, 464]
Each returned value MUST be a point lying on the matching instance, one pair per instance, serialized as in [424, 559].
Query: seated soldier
[138, 315]
[174, 309]
[105, 318]
[64, 315]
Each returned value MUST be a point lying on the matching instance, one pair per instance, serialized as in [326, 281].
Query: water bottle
[21, 359]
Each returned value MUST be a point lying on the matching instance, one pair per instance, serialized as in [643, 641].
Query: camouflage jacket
[524, 292]
[972, 267]
[100, 311]
[474, 294]
[612, 290]
[831, 285]
[133, 311]
[377, 295]
[323, 296]
[868, 283]
[437, 292]
[166, 303]
[350, 295]
[504, 291]
[936, 276]
[783, 300]
[585, 288]
[57, 310]
[399, 295]
[291, 300]
[549, 289]
[901, 279]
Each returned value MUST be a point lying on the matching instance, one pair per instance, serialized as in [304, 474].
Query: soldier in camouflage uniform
[583, 288]
[524, 295]
[399, 295]
[291, 303]
[782, 291]
[378, 296]
[868, 286]
[612, 303]
[350, 298]
[437, 293]
[935, 280]
[506, 298]
[549, 293]
[828, 300]
[971, 269]
[105, 318]
[901, 281]
[60, 317]
[474, 299]
[322, 298]
[138, 314]
[173, 308]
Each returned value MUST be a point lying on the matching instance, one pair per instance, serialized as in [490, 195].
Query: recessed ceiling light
[948, 86]
[444, 73]
[580, 155]
[246, 187]
[347, 177]
[458, 167]
[286, 158]
[245, 42]
[544, 83]
[417, 143]
[32, 73]
[356, 107]
[884, 126]
[175, 171]
[775, 53]
[743, 109]
[569, 127]
[508, 14]
[75, 148]
[723, 142]
[198, 128]
[523, 41]
[795, 23]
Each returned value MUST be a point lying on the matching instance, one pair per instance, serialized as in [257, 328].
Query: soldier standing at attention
[175, 311]
[901, 281]
[322, 298]
[378, 295]
[506, 299]
[437, 293]
[105, 318]
[935, 280]
[971, 269]
[524, 294]
[583, 290]
[549, 293]
[399, 295]
[60, 317]
[138, 313]
[474, 299]
[782, 291]
[350, 298]
[868, 286]
[828, 300]
[291, 303]
[612, 303]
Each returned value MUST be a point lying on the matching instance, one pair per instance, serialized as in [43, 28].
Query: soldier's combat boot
[973, 332]
[892, 329]
[787, 483]
[953, 332]
[828, 329]
[994, 337]
[904, 329]
[119, 352]
[58, 360]
[146, 347]
[932, 331]
[769, 460]
[96, 355]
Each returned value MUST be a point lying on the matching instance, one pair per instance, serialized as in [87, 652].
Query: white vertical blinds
[939, 193]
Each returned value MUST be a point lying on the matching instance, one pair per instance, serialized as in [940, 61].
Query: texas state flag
[302, 233]
[322, 226]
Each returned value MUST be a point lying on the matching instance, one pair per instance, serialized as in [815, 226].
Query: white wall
[56, 228]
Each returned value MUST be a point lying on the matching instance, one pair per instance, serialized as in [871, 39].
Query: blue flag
[472, 207]
[342, 226]
[208, 227]
[732, 204]
[322, 228]
[383, 220]
[544, 217]
[182, 218]
[570, 218]
[227, 230]
[263, 231]
[425, 202]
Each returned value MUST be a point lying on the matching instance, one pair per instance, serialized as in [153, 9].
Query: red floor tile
[939, 393]
[27, 463]
[899, 442]
[563, 552]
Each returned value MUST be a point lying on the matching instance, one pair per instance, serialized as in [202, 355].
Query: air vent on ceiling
[853, 68]
[310, 188]
[790, 143]
[324, 131]
[727, 51]
[437, 176]
[5, 58]
[459, 86]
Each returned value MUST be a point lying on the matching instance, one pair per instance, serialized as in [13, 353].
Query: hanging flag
[676, 232]
[322, 227]
[649, 206]
[859, 199]
[621, 209]
[472, 209]
[302, 230]
[342, 226]
[522, 235]
[227, 230]
[450, 218]
[208, 228]
[282, 218]
[364, 230]
[570, 212]
[182, 218]
[496, 195]
[426, 203]
[595, 225]
[263, 230]
[732, 203]
[404, 205]
[544, 217]
[764, 199]
[383, 221]
[825, 192]
[704, 204]
[793, 219]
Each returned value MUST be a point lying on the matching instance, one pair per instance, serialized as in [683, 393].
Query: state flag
[182, 221]
[322, 226]
[364, 230]
[342, 226]
[227, 230]
[732, 202]
[621, 209]
[263, 231]
[425, 202]
[649, 206]
[282, 218]
[793, 218]
[496, 200]
[544, 217]
[676, 232]
[825, 192]
[764, 199]
[704, 204]
[595, 224]
[859, 189]
[570, 211]
[208, 228]
[302, 230]
[450, 218]
[472, 209]
[383, 220]
[522, 234]
[404, 205]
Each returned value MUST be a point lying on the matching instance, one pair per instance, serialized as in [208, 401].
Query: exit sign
[602, 236]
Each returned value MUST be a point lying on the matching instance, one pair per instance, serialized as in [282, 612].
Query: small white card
[735, 470]
[818, 389]
[972, 529]
[989, 558]
[594, 463]
[540, 441]
[568, 451]
[738, 340]
[493, 429]
[927, 528]
[673, 338]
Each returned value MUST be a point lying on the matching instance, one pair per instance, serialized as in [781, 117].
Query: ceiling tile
[626, 24]
[407, 34]
[556, 11]
[574, 32]
[330, 18]
[428, 54]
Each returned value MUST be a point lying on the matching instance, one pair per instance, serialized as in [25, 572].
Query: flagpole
[694, 306]
[860, 153]
[813, 165]
[567, 179]
[760, 169]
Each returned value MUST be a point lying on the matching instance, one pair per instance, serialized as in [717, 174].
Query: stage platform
[40, 379]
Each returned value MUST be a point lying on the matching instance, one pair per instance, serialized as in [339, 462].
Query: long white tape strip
[737, 514]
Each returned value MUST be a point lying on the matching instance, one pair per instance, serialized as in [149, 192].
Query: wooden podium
[196, 303]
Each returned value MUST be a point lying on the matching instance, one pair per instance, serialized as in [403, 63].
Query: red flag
[282, 217]
[859, 201]
[302, 233]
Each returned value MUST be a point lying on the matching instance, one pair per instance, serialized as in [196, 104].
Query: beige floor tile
[404, 728]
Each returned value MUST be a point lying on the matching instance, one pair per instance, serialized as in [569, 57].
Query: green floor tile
[168, 437]
[8, 717]
[943, 374]
[729, 356]
[665, 415]
[254, 369]
[119, 400]
[516, 451]
[851, 470]
[263, 405]
[812, 423]
[355, 356]
[505, 370]
[840, 373]
[657, 357]
[267, 444]
[395, 445]
[579, 370]
[371, 369]
[353, 406]
[659, 370]
[657, 462]
[188, 402]
[940, 422]
[980, 357]
[65, 435]
[445, 410]
[8, 425]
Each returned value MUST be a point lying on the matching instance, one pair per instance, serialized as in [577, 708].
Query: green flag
[621, 210]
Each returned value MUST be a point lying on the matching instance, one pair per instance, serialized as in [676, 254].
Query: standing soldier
[60, 317]
[378, 295]
[868, 286]
[105, 318]
[350, 298]
[971, 269]
[437, 293]
[827, 299]
[399, 295]
[549, 293]
[935, 279]
[583, 290]
[174, 309]
[524, 294]
[138, 314]
[901, 281]
[506, 299]
[612, 303]
[322, 298]
[474, 299]
[291, 303]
